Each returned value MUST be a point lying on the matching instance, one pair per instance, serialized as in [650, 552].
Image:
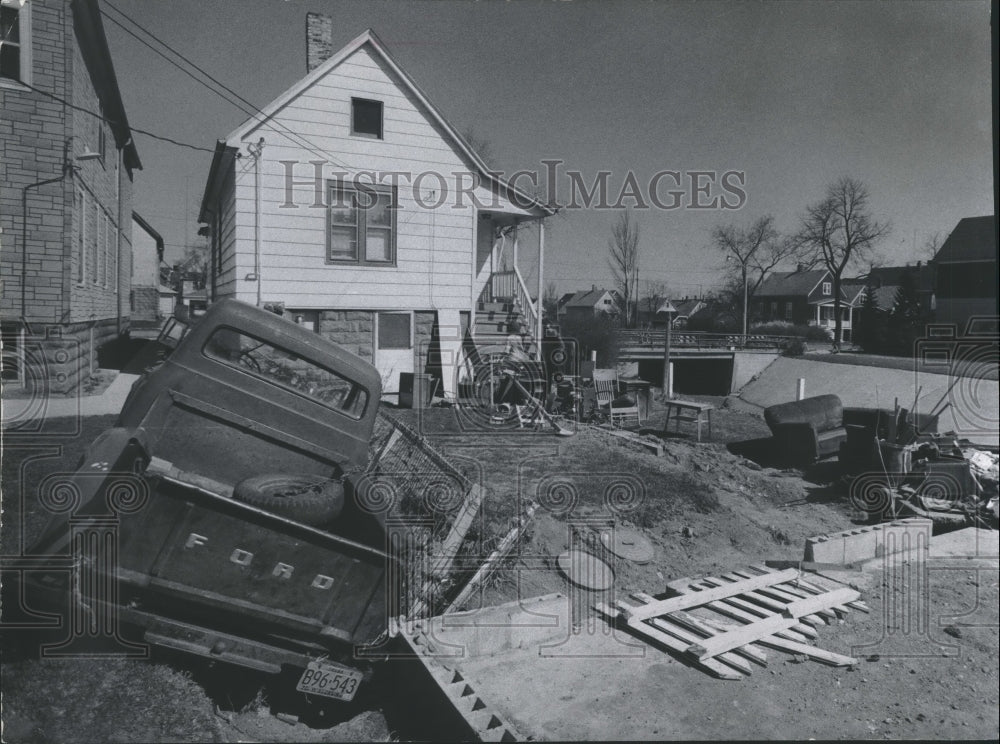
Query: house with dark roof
[805, 297]
[589, 303]
[965, 268]
[885, 281]
[65, 193]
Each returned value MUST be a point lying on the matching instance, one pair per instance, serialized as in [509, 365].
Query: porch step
[501, 321]
[500, 304]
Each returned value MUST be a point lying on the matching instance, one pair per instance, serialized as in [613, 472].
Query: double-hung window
[361, 225]
[15, 43]
[80, 208]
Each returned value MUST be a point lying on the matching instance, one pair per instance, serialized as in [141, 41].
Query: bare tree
[480, 145]
[623, 260]
[839, 231]
[931, 246]
[550, 301]
[752, 252]
[654, 294]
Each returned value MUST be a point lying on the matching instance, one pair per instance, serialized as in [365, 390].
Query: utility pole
[668, 309]
[743, 341]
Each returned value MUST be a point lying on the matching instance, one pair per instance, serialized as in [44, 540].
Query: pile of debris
[906, 469]
[948, 481]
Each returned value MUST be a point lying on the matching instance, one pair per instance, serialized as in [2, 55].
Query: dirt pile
[704, 509]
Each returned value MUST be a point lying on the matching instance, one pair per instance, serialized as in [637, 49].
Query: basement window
[366, 118]
[395, 331]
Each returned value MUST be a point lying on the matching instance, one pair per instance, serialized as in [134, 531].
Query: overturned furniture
[807, 430]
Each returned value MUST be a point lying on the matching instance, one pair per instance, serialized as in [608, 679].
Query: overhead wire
[100, 116]
[227, 93]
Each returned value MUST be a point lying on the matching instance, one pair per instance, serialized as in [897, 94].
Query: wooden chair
[606, 385]
[626, 417]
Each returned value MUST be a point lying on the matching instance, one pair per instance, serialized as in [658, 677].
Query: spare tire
[309, 499]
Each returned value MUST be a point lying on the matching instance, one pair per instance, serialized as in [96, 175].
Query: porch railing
[653, 338]
[510, 285]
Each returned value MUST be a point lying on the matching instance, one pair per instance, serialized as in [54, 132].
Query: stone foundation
[57, 359]
[352, 329]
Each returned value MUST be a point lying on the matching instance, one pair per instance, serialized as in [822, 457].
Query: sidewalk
[17, 410]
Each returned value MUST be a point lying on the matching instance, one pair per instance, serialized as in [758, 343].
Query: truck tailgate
[212, 551]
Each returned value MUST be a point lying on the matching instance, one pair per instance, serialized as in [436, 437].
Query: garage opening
[692, 376]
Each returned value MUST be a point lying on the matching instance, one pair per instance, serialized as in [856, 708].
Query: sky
[793, 95]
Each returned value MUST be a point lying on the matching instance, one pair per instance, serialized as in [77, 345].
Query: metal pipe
[538, 304]
[24, 228]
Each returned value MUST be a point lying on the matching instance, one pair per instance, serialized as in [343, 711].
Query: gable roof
[685, 308]
[370, 39]
[784, 283]
[852, 290]
[973, 239]
[566, 298]
[590, 297]
[94, 43]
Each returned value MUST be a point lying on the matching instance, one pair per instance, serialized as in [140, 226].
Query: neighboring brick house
[966, 272]
[335, 206]
[66, 196]
[805, 297]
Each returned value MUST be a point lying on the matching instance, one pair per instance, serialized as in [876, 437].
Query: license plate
[329, 680]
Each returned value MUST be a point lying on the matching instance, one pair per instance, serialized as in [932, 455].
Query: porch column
[513, 248]
[541, 283]
[450, 338]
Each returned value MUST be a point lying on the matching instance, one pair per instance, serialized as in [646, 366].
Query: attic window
[827, 288]
[366, 118]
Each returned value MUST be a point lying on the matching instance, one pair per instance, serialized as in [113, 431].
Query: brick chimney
[319, 40]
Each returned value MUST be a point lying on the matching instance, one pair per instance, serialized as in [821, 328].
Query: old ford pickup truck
[217, 516]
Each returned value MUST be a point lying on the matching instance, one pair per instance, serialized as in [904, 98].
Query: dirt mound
[704, 509]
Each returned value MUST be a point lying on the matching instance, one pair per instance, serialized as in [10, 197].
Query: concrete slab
[972, 413]
[110, 401]
[968, 545]
[558, 674]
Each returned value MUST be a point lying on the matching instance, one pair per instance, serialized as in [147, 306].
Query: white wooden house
[351, 205]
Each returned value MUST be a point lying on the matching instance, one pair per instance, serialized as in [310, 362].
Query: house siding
[434, 247]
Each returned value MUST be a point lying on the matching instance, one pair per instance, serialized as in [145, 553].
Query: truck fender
[111, 447]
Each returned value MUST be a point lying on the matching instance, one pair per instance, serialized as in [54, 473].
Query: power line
[97, 115]
[243, 104]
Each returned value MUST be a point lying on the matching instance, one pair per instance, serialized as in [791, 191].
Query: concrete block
[867, 542]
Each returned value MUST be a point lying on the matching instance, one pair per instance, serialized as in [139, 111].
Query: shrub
[599, 334]
[778, 328]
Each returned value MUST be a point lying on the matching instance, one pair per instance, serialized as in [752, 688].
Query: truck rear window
[282, 367]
